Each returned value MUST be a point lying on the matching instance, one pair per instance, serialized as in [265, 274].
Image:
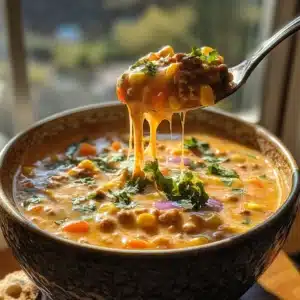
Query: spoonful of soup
[164, 82]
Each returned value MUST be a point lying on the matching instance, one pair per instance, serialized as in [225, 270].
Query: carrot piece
[257, 182]
[76, 227]
[137, 244]
[121, 94]
[165, 171]
[36, 208]
[116, 145]
[86, 149]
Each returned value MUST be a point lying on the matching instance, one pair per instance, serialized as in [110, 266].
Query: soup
[86, 192]
[173, 194]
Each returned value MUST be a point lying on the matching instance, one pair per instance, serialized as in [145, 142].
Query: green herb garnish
[209, 58]
[264, 176]
[60, 222]
[86, 180]
[238, 191]
[85, 208]
[227, 181]
[32, 200]
[116, 157]
[216, 169]
[149, 67]
[186, 189]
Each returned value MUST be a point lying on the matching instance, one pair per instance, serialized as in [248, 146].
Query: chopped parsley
[211, 57]
[186, 189]
[264, 176]
[104, 164]
[85, 208]
[238, 191]
[227, 181]
[216, 169]
[117, 157]
[148, 68]
[60, 222]
[86, 180]
[196, 145]
[33, 200]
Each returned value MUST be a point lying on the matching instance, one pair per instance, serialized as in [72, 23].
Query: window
[76, 49]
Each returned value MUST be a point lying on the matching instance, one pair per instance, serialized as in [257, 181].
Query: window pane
[76, 49]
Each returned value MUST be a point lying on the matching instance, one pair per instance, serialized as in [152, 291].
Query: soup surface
[87, 193]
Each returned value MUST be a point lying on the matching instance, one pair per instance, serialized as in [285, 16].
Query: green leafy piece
[104, 164]
[227, 181]
[139, 63]
[238, 191]
[209, 58]
[71, 150]
[117, 157]
[34, 199]
[150, 68]
[86, 180]
[251, 155]
[186, 189]
[85, 208]
[216, 169]
[163, 183]
[78, 200]
[213, 159]
[264, 176]
[128, 164]
[196, 145]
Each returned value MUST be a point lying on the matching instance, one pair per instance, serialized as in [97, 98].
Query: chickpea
[155, 212]
[147, 221]
[139, 211]
[172, 229]
[107, 224]
[189, 228]
[162, 242]
[171, 217]
[126, 217]
[213, 221]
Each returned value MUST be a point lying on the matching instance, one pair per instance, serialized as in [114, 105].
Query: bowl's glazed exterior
[65, 270]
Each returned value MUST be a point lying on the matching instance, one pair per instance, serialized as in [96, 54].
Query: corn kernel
[237, 158]
[201, 240]
[109, 185]
[174, 103]
[73, 172]
[206, 50]
[146, 220]
[165, 51]
[108, 207]
[87, 164]
[171, 70]
[207, 97]
[136, 78]
[253, 206]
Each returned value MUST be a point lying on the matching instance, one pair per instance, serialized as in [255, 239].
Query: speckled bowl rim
[225, 243]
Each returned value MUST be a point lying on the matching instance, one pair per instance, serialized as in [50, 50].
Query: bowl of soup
[204, 219]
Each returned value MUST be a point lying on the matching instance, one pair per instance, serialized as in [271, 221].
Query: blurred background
[61, 54]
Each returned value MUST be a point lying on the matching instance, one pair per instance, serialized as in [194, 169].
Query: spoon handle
[271, 43]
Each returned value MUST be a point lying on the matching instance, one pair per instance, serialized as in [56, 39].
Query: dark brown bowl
[67, 270]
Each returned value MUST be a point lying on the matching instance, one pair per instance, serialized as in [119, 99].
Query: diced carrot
[86, 149]
[116, 145]
[137, 244]
[76, 227]
[36, 208]
[121, 94]
[165, 171]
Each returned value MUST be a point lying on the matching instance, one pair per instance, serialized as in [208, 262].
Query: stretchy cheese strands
[130, 136]
[182, 118]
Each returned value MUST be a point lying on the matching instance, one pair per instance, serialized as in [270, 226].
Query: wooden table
[282, 279]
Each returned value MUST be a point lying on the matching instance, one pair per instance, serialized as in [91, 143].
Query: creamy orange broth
[67, 194]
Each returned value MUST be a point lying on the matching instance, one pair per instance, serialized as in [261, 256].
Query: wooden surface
[282, 279]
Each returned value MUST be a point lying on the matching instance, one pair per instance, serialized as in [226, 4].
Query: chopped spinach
[85, 180]
[117, 157]
[186, 189]
[216, 169]
[227, 181]
[60, 222]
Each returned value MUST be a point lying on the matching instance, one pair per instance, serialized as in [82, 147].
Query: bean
[107, 224]
[162, 242]
[126, 217]
[147, 221]
[171, 217]
[189, 228]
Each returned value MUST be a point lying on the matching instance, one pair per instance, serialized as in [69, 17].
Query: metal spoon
[242, 71]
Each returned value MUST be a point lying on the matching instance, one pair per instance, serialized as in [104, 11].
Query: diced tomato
[86, 149]
[76, 227]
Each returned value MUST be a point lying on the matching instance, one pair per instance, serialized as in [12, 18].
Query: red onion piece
[162, 205]
[177, 160]
[214, 204]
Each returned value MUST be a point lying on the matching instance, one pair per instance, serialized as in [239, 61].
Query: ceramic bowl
[65, 270]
